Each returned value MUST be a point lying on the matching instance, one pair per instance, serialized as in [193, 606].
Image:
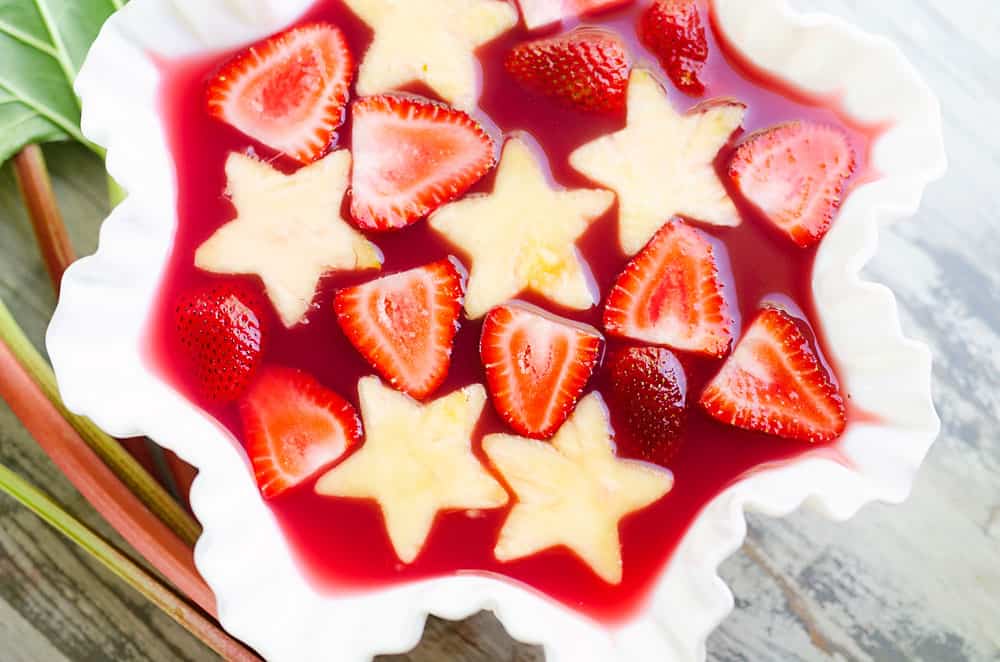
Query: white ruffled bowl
[97, 333]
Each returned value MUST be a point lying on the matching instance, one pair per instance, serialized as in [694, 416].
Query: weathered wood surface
[916, 582]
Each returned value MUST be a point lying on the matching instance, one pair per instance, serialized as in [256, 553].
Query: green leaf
[42, 46]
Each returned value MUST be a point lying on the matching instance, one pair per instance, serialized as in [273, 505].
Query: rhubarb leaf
[42, 46]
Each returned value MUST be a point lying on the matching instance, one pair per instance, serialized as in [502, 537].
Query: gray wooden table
[916, 582]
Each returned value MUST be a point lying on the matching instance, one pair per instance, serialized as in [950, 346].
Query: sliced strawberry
[649, 397]
[411, 156]
[541, 13]
[288, 91]
[222, 330]
[586, 69]
[405, 325]
[673, 31]
[294, 427]
[775, 383]
[794, 174]
[671, 294]
[537, 365]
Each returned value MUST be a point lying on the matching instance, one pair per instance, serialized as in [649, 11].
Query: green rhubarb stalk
[128, 470]
[133, 520]
[123, 567]
[54, 244]
[116, 194]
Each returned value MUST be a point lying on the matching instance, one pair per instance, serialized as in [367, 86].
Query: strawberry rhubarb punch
[504, 288]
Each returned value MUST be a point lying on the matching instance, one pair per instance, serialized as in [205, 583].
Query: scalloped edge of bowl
[96, 336]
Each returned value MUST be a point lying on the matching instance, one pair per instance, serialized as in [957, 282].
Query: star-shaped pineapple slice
[522, 235]
[574, 491]
[429, 41]
[288, 230]
[416, 461]
[662, 163]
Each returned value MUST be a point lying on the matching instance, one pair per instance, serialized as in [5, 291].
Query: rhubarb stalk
[138, 480]
[122, 566]
[182, 474]
[57, 252]
[150, 537]
[36, 189]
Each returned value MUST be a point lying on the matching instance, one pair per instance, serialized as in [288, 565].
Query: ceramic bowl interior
[96, 343]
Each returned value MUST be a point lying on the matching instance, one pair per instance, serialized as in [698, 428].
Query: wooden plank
[480, 638]
[13, 627]
[920, 581]
[916, 582]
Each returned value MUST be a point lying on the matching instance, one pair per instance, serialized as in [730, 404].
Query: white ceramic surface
[97, 332]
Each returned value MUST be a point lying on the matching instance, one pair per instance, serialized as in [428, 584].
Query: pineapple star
[521, 236]
[662, 163]
[574, 491]
[417, 460]
[288, 230]
[430, 41]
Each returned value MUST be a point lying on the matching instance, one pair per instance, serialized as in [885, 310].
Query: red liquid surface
[341, 545]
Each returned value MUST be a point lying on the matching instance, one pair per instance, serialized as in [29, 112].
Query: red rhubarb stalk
[183, 474]
[123, 465]
[36, 189]
[57, 252]
[150, 537]
[190, 618]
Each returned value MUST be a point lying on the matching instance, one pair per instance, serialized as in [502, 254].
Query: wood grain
[916, 582]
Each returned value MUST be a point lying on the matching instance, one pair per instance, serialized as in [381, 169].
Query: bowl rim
[101, 374]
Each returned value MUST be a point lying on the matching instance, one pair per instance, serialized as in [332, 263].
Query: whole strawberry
[649, 397]
[586, 69]
[673, 30]
[221, 330]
